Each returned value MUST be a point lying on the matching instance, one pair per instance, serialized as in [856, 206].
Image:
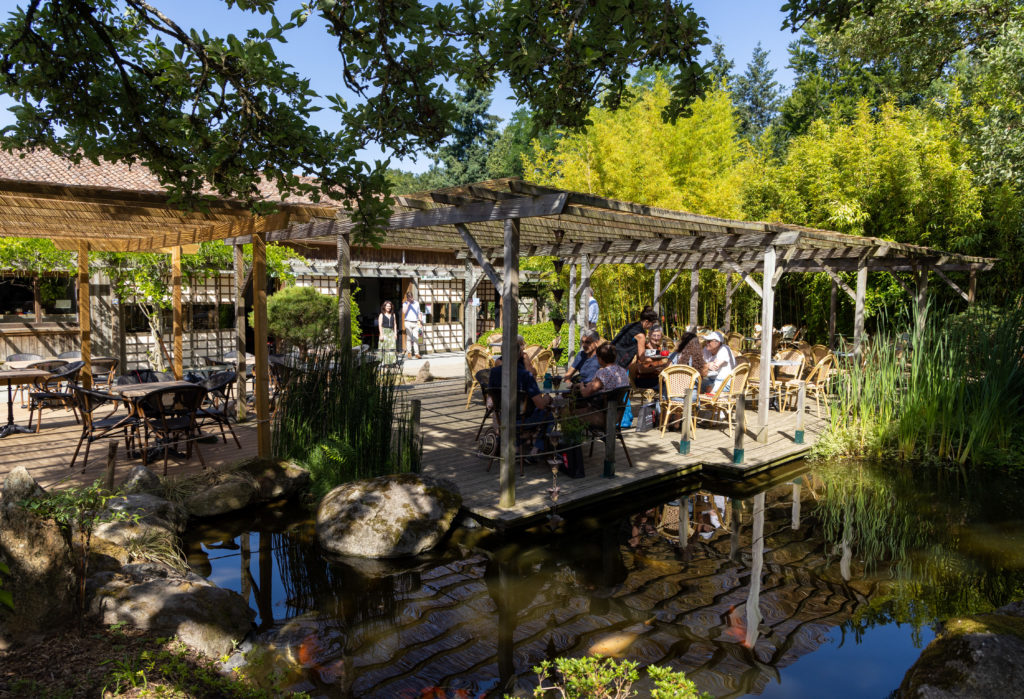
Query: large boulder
[141, 480]
[155, 598]
[234, 494]
[980, 656]
[387, 517]
[276, 479]
[42, 578]
[147, 516]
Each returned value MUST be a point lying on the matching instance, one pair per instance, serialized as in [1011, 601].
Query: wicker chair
[818, 380]
[753, 363]
[785, 378]
[476, 360]
[724, 399]
[820, 352]
[541, 361]
[674, 383]
[735, 341]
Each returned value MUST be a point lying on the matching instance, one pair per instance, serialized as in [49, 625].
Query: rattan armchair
[477, 359]
[723, 403]
[674, 383]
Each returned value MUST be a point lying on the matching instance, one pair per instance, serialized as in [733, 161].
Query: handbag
[645, 418]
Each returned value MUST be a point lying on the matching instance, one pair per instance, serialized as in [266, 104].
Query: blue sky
[739, 24]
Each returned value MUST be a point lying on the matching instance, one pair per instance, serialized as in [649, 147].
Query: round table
[17, 377]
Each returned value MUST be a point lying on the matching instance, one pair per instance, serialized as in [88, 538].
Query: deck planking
[448, 431]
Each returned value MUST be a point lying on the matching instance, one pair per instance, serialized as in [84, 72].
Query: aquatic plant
[948, 392]
[343, 418]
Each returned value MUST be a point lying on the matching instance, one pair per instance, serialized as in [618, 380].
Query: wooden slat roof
[112, 206]
[570, 224]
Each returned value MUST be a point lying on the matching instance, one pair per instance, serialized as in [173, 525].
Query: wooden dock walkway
[449, 451]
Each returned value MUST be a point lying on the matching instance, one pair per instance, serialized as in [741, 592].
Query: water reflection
[733, 587]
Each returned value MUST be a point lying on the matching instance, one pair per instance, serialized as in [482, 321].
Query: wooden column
[832, 299]
[972, 286]
[858, 309]
[37, 299]
[84, 317]
[469, 311]
[767, 323]
[585, 274]
[240, 395]
[657, 292]
[922, 299]
[572, 312]
[261, 370]
[756, 566]
[345, 294]
[177, 322]
[509, 362]
[694, 293]
[729, 291]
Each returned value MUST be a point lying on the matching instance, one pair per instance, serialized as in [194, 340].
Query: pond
[845, 570]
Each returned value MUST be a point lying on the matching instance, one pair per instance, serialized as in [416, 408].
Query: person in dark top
[632, 339]
[538, 405]
[585, 364]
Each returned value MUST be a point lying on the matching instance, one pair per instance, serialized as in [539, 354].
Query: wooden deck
[47, 455]
[449, 451]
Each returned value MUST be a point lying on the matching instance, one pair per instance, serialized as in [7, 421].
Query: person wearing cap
[719, 361]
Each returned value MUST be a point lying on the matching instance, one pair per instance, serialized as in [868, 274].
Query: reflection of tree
[914, 525]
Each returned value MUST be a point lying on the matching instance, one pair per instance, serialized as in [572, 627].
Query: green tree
[200, 110]
[303, 317]
[463, 158]
[720, 67]
[516, 143]
[757, 95]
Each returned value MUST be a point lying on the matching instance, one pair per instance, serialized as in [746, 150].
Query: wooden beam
[972, 286]
[572, 311]
[261, 370]
[749, 280]
[657, 292]
[730, 288]
[509, 364]
[694, 298]
[767, 325]
[177, 325]
[952, 285]
[781, 269]
[838, 281]
[668, 286]
[922, 299]
[476, 212]
[84, 316]
[478, 255]
[832, 300]
[586, 273]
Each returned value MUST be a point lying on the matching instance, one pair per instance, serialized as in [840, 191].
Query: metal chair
[618, 397]
[54, 390]
[23, 357]
[103, 371]
[171, 415]
[88, 402]
[217, 408]
[73, 354]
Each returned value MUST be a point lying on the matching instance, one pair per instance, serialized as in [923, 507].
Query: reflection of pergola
[134, 216]
[495, 223]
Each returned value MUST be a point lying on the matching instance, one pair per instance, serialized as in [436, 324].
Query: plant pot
[558, 322]
[558, 263]
[572, 461]
[556, 352]
[558, 294]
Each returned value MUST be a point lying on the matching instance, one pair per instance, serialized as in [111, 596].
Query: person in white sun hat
[719, 360]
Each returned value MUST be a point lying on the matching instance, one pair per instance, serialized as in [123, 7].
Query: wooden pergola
[492, 224]
[85, 217]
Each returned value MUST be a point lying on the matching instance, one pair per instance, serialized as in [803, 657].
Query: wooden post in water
[832, 299]
[741, 425]
[858, 311]
[685, 437]
[801, 396]
[922, 299]
[572, 312]
[972, 286]
[729, 291]
[261, 370]
[509, 362]
[240, 382]
[694, 298]
[796, 505]
[611, 416]
[657, 292]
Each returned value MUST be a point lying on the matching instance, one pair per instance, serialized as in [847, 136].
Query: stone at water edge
[141, 480]
[154, 515]
[20, 485]
[154, 598]
[276, 479]
[221, 498]
[388, 516]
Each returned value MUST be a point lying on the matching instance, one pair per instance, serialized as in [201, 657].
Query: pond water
[824, 579]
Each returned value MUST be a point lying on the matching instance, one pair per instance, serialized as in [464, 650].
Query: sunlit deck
[449, 450]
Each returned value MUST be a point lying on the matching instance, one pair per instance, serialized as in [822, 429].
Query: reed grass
[950, 392]
[344, 419]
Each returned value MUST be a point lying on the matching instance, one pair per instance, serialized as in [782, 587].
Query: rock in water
[223, 497]
[424, 375]
[387, 517]
[152, 597]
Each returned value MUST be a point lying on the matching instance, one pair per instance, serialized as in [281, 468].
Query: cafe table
[17, 377]
[135, 391]
[26, 363]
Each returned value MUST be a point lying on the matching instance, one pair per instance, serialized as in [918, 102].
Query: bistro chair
[786, 377]
[753, 363]
[818, 381]
[477, 360]
[723, 403]
[481, 379]
[599, 403]
[143, 376]
[541, 362]
[73, 354]
[674, 382]
[88, 403]
[217, 409]
[819, 352]
[23, 357]
[170, 414]
[735, 341]
[103, 372]
[492, 440]
[54, 391]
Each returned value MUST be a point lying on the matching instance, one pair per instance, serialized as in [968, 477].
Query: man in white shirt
[719, 360]
[412, 318]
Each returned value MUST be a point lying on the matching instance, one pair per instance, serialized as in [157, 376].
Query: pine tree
[720, 68]
[463, 157]
[756, 95]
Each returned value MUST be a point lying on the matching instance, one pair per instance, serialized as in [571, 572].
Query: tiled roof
[45, 167]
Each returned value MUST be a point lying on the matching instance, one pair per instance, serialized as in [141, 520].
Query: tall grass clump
[948, 392]
[342, 417]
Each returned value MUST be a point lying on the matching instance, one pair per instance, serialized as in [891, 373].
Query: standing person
[593, 314]
[386, 325]
[719, 361]
[632, 339]
[412, 318]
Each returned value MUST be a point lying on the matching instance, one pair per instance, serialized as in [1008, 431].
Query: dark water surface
[815, 581]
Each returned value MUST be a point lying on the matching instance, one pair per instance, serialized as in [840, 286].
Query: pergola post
[176, 313]
[469, 311]
[344, 294]
[767, 324]
[84, 317]
[972, 286]
[261, 372]
[585, 273]
[858, 308]
[657, 292]
[832, 299]
[694, 293]
[239, 260]
[922, 299]
[753, 609]
[729, 290]
[572, 312]
[509, 364]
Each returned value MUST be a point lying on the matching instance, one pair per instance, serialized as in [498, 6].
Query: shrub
[540, 334]
[602, 678]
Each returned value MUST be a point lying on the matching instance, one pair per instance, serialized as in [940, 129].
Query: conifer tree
[757, 95]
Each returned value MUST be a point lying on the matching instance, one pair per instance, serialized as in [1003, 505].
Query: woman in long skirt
[388, 337]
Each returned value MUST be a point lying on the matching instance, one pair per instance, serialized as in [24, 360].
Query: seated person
[719, 360]
[608, 377]
[538, 405]
[585, 363]
[651, 363]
